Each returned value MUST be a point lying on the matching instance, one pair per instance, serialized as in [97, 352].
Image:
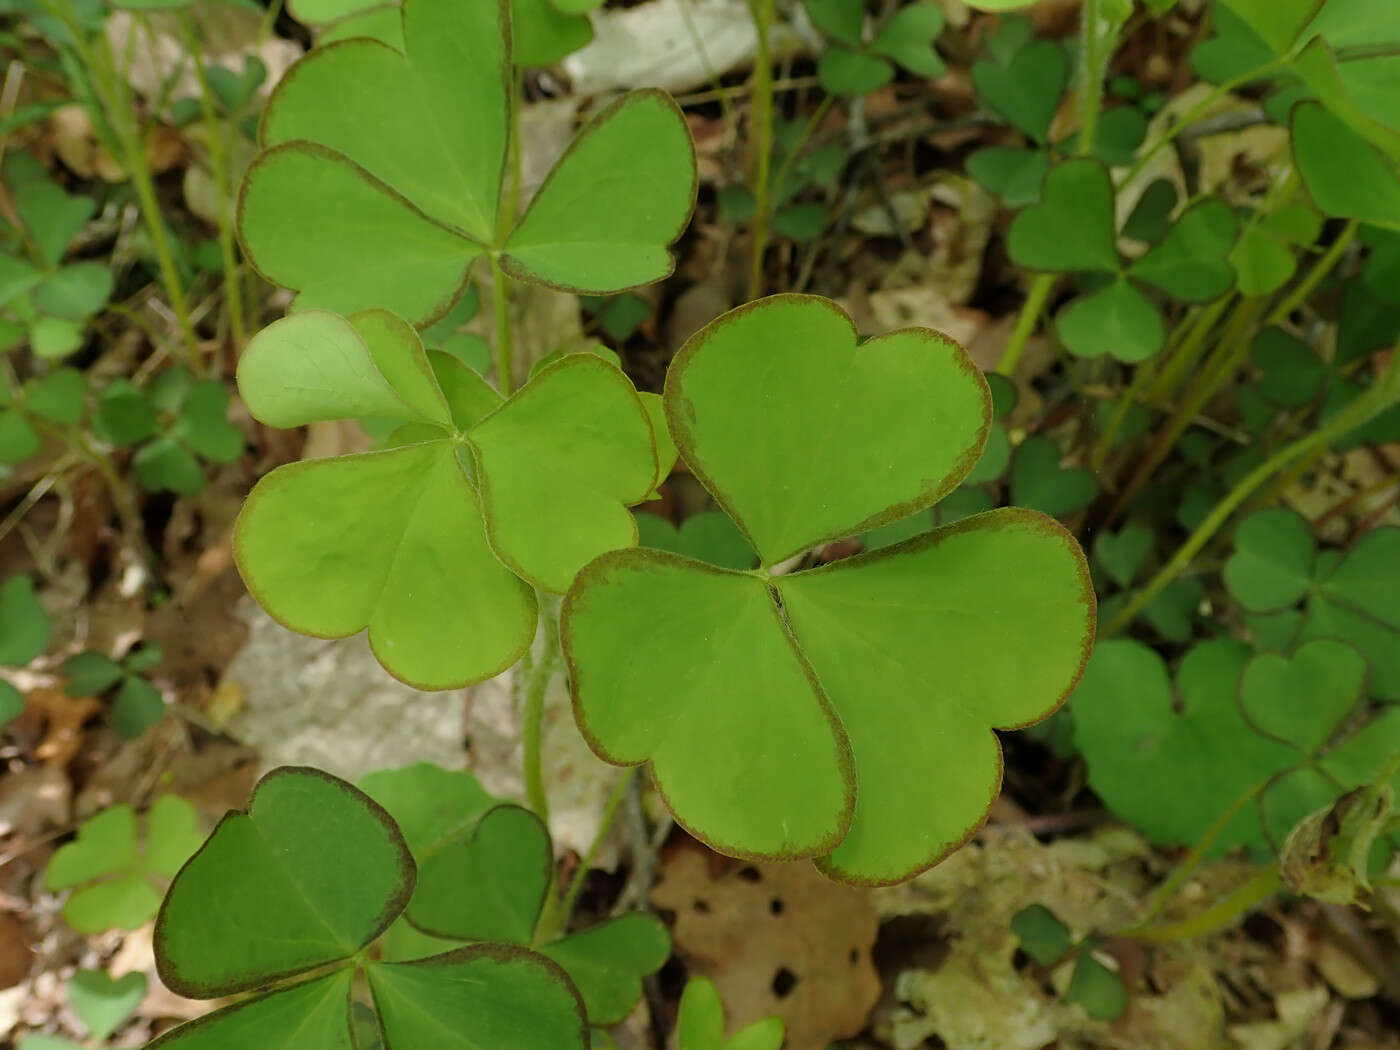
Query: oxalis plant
[843, 713]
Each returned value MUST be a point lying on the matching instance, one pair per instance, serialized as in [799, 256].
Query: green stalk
[1263, 885]
[1163, 894]
[558, 911]
[219, 161]
[1383, 393]
[500, 304]
[115, 97]
[1188, 353]
[1321, 269]
[1228, 356]
[762, 117]
[1036, 296]
[1193, 114]
[538, 674]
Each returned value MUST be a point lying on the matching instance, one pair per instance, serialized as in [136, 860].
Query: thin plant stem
[116, 98]
[558, 911]
[1093, 61]
[1026, 321]
[1320, 270]
[1229, 354]
[1383, 393]
[538, 676]
[219, 162]
[1263, 885]
[1187, 353]
[1163, 894]
[762, 117]
[500, 304]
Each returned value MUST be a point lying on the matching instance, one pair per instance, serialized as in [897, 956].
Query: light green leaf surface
[313, 1015]
[599, 225]
[839, 401]
[355, 206]
[771, 763]
[700, 1023]
[478, 997]
[311, 873]
[433, 535]
[908, 35]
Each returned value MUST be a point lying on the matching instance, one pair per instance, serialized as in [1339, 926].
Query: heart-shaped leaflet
[381, 181]
[843, 712]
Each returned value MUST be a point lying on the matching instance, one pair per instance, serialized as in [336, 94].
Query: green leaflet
[110, 875]
[355, 205]
[431, 543]
[804, 436]
[1071, 229]
[700, 1023]
[850, 66]
[1352, 596]
[24, 623]
[312, 873]
[103, 1002]
[461, 837]
[1345, 174]
[1265, 725]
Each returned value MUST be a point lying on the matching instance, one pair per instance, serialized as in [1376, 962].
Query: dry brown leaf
[776, 939]
[15, 953]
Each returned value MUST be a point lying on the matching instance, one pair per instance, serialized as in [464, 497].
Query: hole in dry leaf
[775, 906]
[703, 907]
[783, 982]
[749, 874]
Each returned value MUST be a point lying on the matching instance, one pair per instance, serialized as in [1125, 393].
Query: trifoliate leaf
[312, 1015]
[426, 526]
[771, 765]
[354, 207]
[1012, 173]
[908, 36]
[1043, 936]
[846, 71]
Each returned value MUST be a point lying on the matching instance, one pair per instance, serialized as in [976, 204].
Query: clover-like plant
[136, 703]
[435, 543]
[844, 712]
[1072, 229]
[44, 300]
[111, 872]
[1277, 729]
[175, 424]
[103, 1004]
[1354, 595]
[1048, 941]
[286, 898]
[484, 873]
[381, 181]
[851, 65]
